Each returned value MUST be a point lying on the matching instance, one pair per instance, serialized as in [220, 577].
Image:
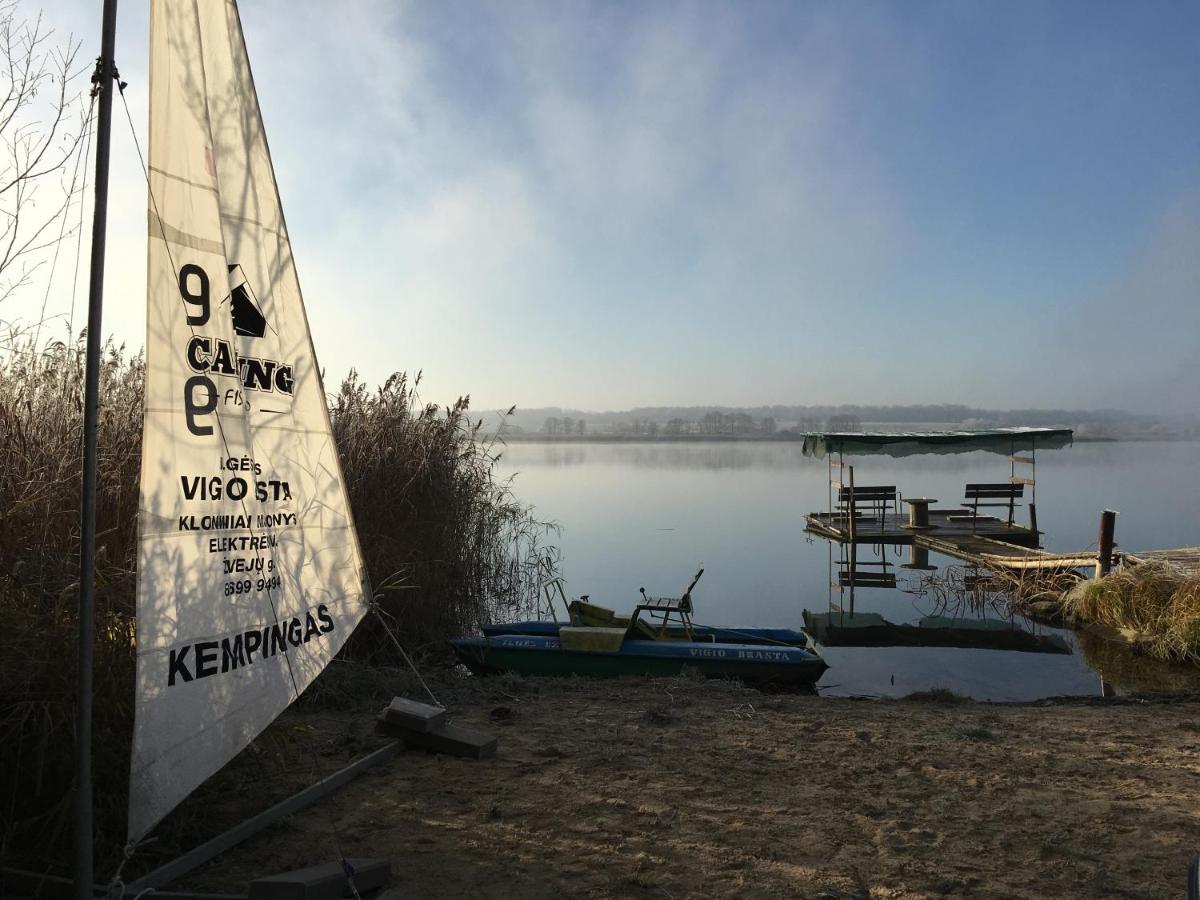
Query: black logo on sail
[209, 356]
[248, 319]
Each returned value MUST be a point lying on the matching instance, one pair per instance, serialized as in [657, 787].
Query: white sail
[249, 572]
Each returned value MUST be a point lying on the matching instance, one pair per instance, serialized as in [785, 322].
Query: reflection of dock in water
[843, 629]
[962, 623]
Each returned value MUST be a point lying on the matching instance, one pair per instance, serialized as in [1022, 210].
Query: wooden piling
[1108, 527]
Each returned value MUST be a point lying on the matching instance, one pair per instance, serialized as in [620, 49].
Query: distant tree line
[714, 423]
[784, 422]
[565, 426]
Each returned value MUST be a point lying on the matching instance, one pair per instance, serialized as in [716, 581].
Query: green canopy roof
[910, 443]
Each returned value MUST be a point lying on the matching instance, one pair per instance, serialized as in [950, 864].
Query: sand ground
[684, 788]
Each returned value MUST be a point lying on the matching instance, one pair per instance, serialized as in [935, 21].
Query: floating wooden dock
[1185, 559]
[990, 543]
[999, 555]
[995, 554]
[893, 528]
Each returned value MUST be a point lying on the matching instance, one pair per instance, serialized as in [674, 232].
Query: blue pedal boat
[601, 643]
[529, 654]
[724, 634]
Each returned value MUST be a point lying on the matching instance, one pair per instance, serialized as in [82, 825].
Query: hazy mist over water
[616, 205]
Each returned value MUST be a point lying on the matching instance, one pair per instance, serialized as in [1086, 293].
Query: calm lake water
[651, 514]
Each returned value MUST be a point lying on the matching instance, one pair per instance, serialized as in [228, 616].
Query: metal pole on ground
[179, 867]
[103, 79]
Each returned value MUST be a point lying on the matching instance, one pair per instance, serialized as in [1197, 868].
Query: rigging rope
[87, 151]
[116, 887]
[380, 615]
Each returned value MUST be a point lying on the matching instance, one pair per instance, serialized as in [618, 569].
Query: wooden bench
[999, 495]
[875, 499]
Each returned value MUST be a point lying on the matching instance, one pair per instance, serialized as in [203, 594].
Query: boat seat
[664, 607]
[666, 604]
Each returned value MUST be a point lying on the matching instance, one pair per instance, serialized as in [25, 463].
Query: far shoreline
[527, 438]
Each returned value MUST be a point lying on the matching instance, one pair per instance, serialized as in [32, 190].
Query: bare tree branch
[43, 122]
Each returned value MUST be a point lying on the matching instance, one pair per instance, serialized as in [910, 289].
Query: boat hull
[702, 633]
[543, 655]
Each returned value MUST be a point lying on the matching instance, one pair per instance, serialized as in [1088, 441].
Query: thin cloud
[605, 205]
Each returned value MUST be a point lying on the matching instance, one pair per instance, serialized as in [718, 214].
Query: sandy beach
[685, 788]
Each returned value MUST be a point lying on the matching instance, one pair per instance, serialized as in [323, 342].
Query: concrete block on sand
[455, 741]
[323, 882]
[414, 716]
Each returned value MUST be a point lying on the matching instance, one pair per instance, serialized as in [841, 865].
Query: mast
[103, 80]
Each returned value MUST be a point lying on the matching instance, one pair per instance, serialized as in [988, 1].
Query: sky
[609, 205]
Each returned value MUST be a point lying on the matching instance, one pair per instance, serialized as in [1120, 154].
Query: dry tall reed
[446, 544]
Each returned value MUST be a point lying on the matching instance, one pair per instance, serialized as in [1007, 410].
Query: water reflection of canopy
[819, 444]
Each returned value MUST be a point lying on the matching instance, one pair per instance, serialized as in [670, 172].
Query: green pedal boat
[600, 643]
[587, 651]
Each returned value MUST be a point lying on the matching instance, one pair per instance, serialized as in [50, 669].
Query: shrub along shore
[446, 543]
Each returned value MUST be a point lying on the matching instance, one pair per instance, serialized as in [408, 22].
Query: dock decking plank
[892, 528]
[994, 554]
[1186, 559]
[992, 544]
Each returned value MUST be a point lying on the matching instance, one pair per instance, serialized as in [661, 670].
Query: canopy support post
[850, 470]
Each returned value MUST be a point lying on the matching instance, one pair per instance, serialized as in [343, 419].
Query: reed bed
[446, 543]
[965, 590]
[959, 590]
[1156, 600]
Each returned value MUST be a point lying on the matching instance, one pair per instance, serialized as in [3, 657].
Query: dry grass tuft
[1156, 600]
